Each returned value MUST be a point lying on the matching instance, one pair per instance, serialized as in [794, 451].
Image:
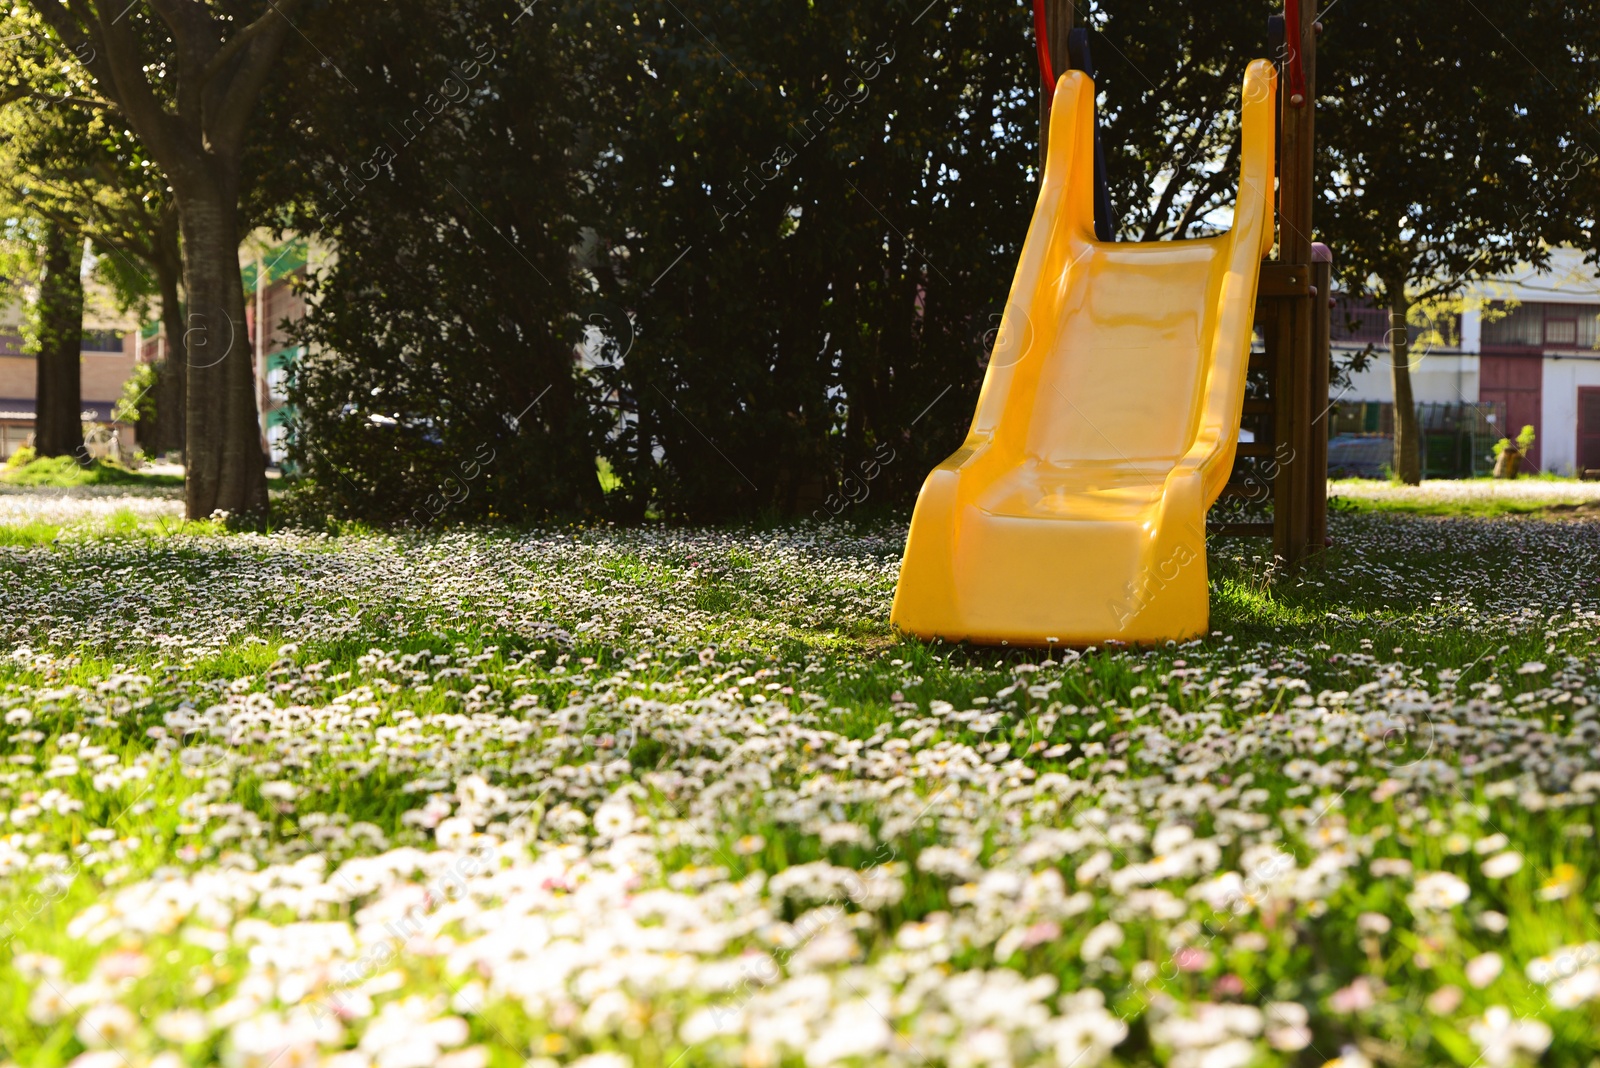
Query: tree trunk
[1407, 439]
[217, 71]
[226, 468]
[58, 404]
[170, 384]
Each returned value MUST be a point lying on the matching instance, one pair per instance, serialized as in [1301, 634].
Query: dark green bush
[781, 236]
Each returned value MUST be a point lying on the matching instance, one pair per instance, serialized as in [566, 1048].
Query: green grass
[1485, 498]
[66, 472]
[33, 533]
[122, 524]
[1482, 509]
[1332, 628]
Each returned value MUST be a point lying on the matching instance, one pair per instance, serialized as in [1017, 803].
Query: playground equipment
[1109, 420]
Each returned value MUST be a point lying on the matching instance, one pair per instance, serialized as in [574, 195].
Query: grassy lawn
[1543, 495]
[681, 797]
[49, 515]
[65, 471]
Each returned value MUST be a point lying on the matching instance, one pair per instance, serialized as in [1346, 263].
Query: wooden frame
[1293, 314]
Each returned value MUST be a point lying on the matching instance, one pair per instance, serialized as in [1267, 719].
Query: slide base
[1125, 563]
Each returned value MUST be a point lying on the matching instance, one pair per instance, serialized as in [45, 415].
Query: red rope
[1291, 38]
[1041, 34]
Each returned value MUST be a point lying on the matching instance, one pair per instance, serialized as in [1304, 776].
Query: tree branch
[192, 25]
[39, 94]
[260, 54]
[234, 44]
[1209, 188]
[1190, 153]
[125, 82]
[78, 36]
[1152, 229]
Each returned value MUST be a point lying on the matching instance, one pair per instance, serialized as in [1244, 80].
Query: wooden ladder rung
[1260, 489]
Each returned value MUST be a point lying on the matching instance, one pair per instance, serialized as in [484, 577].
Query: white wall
[1472, 329]
[1558, 436]
[1434, 377]
[1566, 279]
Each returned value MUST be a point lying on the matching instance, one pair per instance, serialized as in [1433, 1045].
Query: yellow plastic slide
[1074, 513]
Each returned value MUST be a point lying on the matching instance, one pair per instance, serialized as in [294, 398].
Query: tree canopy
[749, 258]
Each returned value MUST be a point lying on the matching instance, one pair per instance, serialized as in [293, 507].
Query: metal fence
[1457, 438]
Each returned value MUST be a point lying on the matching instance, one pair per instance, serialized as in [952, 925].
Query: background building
[1524, 350]
[273, 301]
[110, 347]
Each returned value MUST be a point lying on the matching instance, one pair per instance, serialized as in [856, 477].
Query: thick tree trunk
[1407, 441]
[58, 404]
[217, 71]
[170, 385]
[226, 468]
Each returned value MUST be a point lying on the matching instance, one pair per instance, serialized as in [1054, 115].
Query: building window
[13, 436]
[1521, 325]
[278, 383]
[1359, 321]
[1562, 332]
[102, 341]
[1356, 321]
[1541, 325]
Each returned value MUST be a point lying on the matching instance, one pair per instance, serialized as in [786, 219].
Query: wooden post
[1292, 315]
[1058, 17]
[1322, 410]
[1294, 375]
[1297, 141]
